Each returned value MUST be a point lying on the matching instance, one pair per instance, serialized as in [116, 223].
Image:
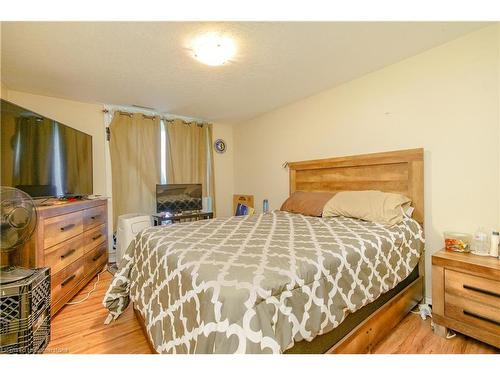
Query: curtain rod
[161, 117]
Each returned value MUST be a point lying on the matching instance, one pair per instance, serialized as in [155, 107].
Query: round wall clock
[220, 146]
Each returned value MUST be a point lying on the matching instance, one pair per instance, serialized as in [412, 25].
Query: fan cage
[13, 196]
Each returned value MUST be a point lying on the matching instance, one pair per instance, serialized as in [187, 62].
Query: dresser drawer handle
[68, 253]
[96, 257]
[477, 316]
[66, 227]
[95, 217]
[67, 280]
[484, 291]
[97, 237]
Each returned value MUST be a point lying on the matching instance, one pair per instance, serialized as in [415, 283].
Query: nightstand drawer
[466, 295]
[474, 288]
[472, 312]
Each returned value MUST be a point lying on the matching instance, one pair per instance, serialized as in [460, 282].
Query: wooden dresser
[466, 295]
[71, 239]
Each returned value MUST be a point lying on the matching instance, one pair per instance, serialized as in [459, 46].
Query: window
[163, 153]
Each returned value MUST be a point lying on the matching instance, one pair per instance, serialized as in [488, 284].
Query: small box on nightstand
[466, 295]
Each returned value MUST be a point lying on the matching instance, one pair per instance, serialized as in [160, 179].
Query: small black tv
[41, 156]
[178, 198]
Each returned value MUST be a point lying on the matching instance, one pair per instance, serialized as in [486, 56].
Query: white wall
[3, 91]
[498, 119]
[445, 100]
[224, 171]
[3, 88]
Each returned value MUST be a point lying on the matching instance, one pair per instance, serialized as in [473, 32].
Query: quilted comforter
[260, 283]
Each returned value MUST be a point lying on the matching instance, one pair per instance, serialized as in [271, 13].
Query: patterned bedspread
[260, 283]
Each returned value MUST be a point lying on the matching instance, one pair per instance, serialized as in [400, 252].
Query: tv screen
[177, 198]
[42, 156]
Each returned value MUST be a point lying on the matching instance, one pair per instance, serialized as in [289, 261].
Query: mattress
[323, 343]
[260, 283]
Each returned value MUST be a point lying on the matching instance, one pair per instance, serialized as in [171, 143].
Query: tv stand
[161, 219]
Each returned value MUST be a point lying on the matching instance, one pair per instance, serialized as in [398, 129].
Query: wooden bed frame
[395, 171]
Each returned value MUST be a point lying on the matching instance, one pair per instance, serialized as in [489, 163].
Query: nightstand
[466, 295]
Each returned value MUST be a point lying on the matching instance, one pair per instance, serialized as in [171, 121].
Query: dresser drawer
[64, 281]
[59, 228]
[96, 258]
[473, 313]
[473, 288]
[59, 256]
[94, 237]
[94, 216]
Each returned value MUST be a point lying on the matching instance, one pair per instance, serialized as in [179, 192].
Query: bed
[281, 282]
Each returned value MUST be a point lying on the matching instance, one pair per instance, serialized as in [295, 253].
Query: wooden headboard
[394, 171]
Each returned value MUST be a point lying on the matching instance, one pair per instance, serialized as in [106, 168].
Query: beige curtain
[189, 156]
[135, 163]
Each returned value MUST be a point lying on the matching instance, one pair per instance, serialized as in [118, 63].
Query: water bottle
[480, 243]
[494, 239]
[265, 206]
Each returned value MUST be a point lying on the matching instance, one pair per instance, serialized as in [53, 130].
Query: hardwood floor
[80, 329]
[415, 336]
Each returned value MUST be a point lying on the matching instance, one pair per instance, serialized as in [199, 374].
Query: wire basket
[25, 314]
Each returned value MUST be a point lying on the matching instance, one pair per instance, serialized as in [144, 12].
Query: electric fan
[18, 220]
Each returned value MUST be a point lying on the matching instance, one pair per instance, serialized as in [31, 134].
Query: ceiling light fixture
[213, 48]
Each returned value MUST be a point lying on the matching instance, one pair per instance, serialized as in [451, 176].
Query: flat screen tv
[178, 198]
[43, 157]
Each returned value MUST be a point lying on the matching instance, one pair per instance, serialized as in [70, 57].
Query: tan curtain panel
[189, 157]
[135, 163]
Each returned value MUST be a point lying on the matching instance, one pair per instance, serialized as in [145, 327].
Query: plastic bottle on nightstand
[494, 244]
[480, 242]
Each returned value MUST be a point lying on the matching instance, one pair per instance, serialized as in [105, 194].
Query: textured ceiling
[150, 64]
